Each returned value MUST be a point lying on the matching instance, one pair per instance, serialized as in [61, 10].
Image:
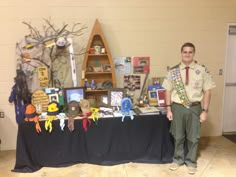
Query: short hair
[188, 44]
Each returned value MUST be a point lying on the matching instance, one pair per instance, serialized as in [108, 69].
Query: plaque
[40, 100]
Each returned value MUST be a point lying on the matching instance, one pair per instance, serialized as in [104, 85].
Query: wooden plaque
[40, 100]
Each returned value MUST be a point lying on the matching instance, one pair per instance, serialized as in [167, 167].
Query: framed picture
[152, 97]
[52, 90]
[53, 98]
[106, 67]
[74, 94]
[161, 97]
[157, 80]
[115, 96]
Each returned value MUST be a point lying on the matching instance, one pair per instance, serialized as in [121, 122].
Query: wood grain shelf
[98, 56]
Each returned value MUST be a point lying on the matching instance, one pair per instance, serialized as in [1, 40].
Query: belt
[192, 104]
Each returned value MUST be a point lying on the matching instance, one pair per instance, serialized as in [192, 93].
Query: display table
[144, 139]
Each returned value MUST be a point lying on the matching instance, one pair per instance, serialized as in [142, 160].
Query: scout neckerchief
[85, 120]
[179, 86]
[62, 117]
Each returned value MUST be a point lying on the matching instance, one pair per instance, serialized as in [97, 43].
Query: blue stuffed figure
[126, 106]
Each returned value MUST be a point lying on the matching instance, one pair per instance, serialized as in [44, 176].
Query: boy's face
[187, 55]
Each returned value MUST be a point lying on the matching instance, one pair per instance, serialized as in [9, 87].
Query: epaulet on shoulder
[195, 61]
[174, 67]
[205, 68]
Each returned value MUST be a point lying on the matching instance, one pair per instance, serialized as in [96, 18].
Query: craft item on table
[73, 110]
[148, 110]
[31, 116]
[95, 114]
[20, 95]
[126, 106]
[62, 117]
[53, 111]
[106, 112]
[86, 113]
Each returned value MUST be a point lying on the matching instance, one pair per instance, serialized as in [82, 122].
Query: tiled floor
[217, 158]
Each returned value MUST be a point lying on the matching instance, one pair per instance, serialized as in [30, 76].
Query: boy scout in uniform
[188, 91]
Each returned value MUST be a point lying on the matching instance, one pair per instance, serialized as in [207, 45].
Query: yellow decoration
[51, 115]
[48, 123]
[49, 43]
[95, 114]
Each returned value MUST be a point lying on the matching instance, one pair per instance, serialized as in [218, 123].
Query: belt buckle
[187, 106]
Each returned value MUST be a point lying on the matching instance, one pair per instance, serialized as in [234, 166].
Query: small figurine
[86, 84]
[93, 85]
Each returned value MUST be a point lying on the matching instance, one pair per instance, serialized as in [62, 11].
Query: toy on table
[72, 111]
[86, 113]
[126, 106]
[31, 116]
[52, 112]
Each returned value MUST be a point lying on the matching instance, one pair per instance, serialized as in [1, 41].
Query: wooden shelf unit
[100, 58]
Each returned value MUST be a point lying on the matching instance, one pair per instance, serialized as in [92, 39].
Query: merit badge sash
[179, 86]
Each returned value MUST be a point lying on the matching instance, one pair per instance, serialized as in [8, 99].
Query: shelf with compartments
[98, 65]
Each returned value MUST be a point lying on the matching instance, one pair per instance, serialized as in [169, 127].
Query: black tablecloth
[144, 139]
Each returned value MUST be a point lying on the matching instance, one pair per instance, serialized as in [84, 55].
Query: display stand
[98, 73]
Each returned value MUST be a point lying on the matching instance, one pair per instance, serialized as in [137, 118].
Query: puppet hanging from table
[126, 106]
[73, 110]
[86, 113]
[53, 111]
[20, 95]
[31, 116]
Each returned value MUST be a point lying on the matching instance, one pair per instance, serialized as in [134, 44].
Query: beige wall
[154, 28]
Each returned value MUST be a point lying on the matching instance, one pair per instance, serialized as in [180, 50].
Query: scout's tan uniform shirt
[199, 80]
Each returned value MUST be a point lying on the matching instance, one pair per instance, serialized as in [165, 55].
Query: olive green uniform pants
[185, 128]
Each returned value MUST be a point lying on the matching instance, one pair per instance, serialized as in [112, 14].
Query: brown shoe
[192, 170]
[174, 166]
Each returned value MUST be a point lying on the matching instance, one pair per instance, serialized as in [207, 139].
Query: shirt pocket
[197, 83]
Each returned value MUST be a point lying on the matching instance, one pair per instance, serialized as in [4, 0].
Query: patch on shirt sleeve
[197, 71]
